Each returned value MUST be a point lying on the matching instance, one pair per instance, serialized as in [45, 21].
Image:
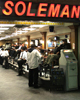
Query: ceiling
[19, 31]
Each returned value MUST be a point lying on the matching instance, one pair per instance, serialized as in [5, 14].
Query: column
[44, 40]
[11, 42]
[28, 40]
[18, 40]
[74, 39]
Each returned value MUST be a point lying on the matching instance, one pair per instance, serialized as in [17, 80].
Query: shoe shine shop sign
[40, 10]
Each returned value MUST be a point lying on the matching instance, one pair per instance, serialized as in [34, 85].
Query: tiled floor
[13, 87]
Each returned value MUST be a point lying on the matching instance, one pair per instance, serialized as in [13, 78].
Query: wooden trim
[28, 40]
[51, 47]
[36, 38]
[58, 35]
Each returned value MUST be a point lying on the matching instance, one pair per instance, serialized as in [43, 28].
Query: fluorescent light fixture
[1, 31]
[40, 26]
[4, 28]
[7, 36]
[29, 29]
[14, 33]
[2, 38]
[7, 25]
[22, 31]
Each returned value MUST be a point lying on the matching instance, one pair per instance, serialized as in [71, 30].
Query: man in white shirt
[4, 55]
[22, 60]
[34, 59]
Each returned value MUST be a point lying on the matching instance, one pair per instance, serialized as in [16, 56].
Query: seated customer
[22, 60]
[56, 53]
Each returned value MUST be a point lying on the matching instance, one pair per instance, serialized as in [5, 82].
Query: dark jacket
[62, 46]
[30, 50]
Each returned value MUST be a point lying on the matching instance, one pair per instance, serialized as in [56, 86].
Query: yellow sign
[31, 23]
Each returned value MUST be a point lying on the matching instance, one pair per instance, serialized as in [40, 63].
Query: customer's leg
[20, 63]
[6, 63]
[19, 67]
[52, 58]
[30, 77]
[2, 59]
[35, 77]
[47, 59]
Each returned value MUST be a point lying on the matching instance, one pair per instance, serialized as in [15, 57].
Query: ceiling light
[1, 31]
[4, 28]
[30, 29]
[38, 26]
[7, 36]
[7, 25]
[14, 33]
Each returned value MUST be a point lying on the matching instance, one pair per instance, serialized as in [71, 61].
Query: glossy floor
[13, 87]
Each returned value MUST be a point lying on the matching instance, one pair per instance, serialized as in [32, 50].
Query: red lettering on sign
[75, 11]
[29, 9]
[54, 11]
[7, 3]
[40, 9]
[65, 11]
[23, 10]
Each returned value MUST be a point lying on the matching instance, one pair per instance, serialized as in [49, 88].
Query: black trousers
[20, 63]
[33, 77]
[6, 62]
[1, 60]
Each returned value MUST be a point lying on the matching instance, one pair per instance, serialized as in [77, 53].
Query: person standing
[22, 60]
[34, 59]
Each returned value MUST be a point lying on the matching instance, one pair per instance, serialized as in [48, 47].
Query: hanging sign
[42, 10]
